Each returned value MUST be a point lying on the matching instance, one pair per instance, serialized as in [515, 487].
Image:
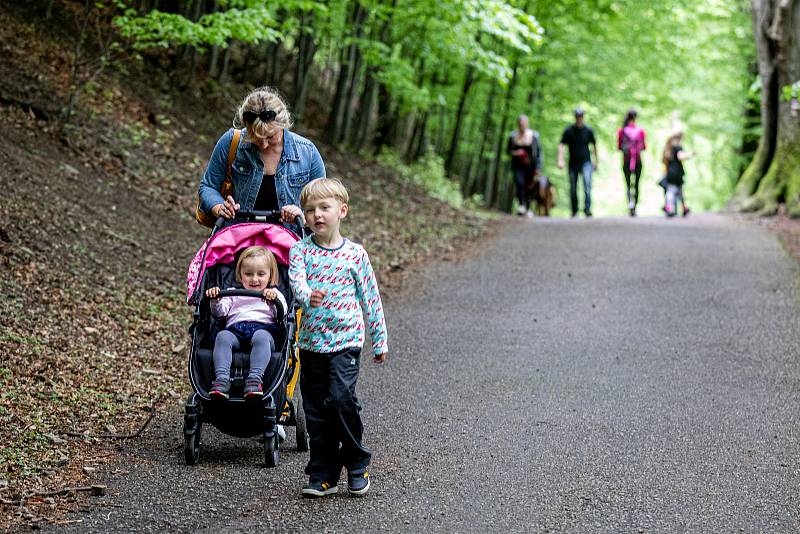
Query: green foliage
[427, 172]
[790, 91]
[251, 23]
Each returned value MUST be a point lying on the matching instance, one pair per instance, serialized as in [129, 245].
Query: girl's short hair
[258, 101]
[256, 252]
[324, 188]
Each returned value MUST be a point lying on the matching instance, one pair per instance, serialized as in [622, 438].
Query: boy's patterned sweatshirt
[348, 276]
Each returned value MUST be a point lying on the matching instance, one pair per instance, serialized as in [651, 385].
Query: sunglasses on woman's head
[267, 115]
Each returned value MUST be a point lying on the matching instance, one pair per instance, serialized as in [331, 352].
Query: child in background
[330, 276]
[248, 321]
[674, 155]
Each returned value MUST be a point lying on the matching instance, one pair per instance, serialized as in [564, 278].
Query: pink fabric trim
[222, 248]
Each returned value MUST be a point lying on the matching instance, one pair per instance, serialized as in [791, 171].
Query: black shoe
[220, 388]
[633, 212]
[588, 214]
[315, 488]
[358, 483]
[252, 389]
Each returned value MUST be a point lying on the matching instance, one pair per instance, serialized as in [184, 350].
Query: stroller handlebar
[270, 216]
[273, 216]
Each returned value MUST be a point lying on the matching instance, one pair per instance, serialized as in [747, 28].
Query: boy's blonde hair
[255, 252]
[324, 188]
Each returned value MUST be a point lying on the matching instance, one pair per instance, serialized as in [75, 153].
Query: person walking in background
[631, 141]
[578, 137]
[524, 146]
[674, 156]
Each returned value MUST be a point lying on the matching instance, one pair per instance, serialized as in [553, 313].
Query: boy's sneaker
[220, 388]
[252, 389]
[686, 211]
[357, 483]
[315, 488]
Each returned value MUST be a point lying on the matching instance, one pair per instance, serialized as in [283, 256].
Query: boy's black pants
[328, 384]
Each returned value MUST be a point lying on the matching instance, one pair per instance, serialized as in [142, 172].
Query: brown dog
[544, 193]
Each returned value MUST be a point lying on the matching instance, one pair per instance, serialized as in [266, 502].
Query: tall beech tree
[773, 175]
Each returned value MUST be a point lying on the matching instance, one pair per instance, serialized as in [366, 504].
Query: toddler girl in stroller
[248, 321]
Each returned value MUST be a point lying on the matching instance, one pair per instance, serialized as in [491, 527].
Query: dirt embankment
[95, 236]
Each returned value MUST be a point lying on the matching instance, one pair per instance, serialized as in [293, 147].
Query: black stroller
[214, 265]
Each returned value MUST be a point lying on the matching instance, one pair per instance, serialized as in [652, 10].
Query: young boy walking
[330, 276]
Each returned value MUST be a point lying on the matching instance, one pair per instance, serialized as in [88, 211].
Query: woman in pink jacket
[630, 140]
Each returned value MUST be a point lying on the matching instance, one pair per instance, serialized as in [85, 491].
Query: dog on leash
[544, 194]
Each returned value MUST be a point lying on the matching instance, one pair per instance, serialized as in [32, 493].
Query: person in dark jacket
[577, 137]
[524, 146]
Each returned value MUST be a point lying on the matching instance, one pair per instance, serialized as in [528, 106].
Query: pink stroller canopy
[223, 246]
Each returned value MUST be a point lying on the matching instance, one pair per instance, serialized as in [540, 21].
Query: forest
[443, 83]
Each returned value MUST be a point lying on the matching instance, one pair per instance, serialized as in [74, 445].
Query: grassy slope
[95, 236]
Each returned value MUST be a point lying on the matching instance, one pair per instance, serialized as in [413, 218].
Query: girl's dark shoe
[220, 388]
[252, 389]
[358, 483]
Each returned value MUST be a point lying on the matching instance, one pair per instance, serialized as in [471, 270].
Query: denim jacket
[300, 163]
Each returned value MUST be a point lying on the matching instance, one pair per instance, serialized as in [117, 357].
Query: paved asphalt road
[610, 375]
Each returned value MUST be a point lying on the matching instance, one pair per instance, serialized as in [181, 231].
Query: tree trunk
[502, 139]
[469, 79]
[226, 60]
[367, 101]
[773, 176]
[468, 183]
[386, 120]
[306, 49]
[352, 86]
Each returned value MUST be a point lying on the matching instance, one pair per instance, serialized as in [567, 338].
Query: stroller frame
[281, 403]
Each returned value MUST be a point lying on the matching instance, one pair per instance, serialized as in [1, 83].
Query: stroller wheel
[191, 446]
[271, 450]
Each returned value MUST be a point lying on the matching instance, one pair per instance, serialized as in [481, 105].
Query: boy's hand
[317, 296]
[270, 294]
[380, 358]
[212, 293]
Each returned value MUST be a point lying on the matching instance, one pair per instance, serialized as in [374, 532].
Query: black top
[578, 140]
[533, 157]
[267, 198]
[675, 167]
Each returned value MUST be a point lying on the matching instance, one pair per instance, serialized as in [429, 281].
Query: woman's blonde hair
[256, 252]
[324, 188]
[259, 100]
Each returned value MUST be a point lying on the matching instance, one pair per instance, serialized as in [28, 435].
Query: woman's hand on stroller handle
[226, 210]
